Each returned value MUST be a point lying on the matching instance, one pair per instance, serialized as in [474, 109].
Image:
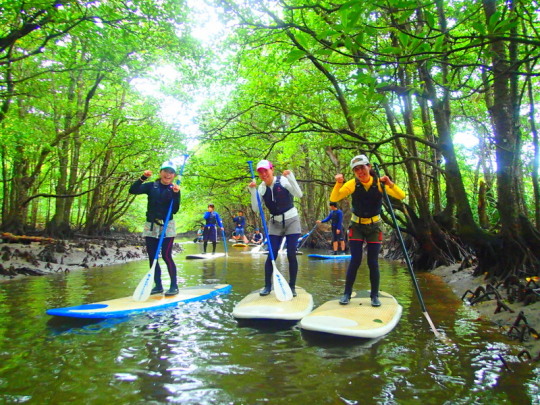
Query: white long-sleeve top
[289, 182]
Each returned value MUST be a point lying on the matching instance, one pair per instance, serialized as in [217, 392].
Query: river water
[199, 354]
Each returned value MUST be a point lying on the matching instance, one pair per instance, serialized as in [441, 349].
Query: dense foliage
[307, 85]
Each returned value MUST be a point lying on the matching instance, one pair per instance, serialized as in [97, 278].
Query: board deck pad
[122, 307]
[357, 319]
[329, 257]
[255, 306]
[205, 256]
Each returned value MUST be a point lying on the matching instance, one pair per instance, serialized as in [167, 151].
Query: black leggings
[292, 243]
[166, 254]
[356, 248]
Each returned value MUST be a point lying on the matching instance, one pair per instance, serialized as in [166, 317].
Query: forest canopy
[306, 85]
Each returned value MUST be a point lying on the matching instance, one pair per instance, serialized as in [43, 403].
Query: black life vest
[278, 200]
[158, 202]
[367, 203]
[212, 219]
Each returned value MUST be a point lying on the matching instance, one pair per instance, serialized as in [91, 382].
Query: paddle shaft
[224, 241]
[405, 253]
[307, 236]
[261, 211]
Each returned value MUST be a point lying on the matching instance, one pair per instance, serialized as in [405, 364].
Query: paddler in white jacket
[277, 193]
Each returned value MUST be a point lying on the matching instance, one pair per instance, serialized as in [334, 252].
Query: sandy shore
[498, 307]
[19, 260]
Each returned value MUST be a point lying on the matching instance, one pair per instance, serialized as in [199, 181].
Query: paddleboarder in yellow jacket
[367, 198]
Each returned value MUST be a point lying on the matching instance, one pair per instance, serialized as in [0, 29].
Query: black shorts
[337, 237]
[210, 233]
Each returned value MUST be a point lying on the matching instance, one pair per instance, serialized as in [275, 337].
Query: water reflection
[198, 353]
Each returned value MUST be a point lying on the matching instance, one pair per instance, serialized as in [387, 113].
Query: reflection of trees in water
[170, 370]
[209, 271]
[214, 272]
[338, 269]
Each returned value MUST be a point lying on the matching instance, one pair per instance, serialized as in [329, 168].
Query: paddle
[407, 260]
[143, 290]
[281, 287]
[224, 241]
[282, 245]
[304, 238]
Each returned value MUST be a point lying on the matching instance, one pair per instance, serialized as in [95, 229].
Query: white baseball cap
[264, 164]
[359, 160]
[168, 165]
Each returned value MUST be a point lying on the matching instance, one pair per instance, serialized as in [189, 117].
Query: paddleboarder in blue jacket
[160, 193]
[336, 218]
[367, 196]
[277, 193]
[240, 224]
[212, 219]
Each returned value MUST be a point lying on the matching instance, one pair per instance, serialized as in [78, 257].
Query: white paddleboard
[122, 307]
[254, 306]
[357, 319]
[205, 256]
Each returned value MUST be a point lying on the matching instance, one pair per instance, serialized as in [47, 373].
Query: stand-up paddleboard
[127, 306]
[329, 257]
[239, 245]
[254, 306]
[284, 252]
[205, 256]
[357, 319]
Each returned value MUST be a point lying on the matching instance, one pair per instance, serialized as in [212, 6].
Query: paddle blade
[143, 290]
[281, 287]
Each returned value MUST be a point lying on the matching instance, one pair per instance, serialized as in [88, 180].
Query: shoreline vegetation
[513, 307]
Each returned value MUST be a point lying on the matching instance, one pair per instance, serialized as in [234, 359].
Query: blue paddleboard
[122, 307]
[329, 257]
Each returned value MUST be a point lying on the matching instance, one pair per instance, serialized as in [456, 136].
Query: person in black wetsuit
[336, 219]
[277, 193]
[161, 193]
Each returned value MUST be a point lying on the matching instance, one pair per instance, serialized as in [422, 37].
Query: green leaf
[430, 19]
[480, 27]
[493, 21]
[294, 55]
[390, 50]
